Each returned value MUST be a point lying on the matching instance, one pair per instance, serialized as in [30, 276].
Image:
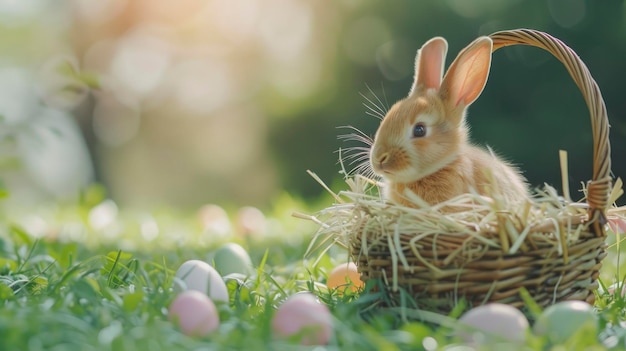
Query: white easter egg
[562, 320]
[199, 275]
[493, 322]
[232, 258]
[194, 313]
[303, 315]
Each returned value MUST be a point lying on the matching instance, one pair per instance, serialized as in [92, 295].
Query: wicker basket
[438, 283]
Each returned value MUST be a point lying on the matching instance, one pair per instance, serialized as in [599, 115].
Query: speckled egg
[194, 313]
[304, 317]
[493, 322]
[199, 275]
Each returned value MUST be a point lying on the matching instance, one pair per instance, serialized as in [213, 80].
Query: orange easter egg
[345, 276]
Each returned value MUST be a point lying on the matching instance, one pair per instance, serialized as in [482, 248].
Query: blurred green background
[188, 102]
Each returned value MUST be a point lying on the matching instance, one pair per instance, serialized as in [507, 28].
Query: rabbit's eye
[419, 130]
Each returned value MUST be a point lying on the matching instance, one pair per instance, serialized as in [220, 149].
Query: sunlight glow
[103, 215]
[140, 62]
[395, 59]
[361, 51]
[567, 13]
[114, 123]
[149, 229]
[285, 29]
[201, 86]
[236, 20]
[96, 11]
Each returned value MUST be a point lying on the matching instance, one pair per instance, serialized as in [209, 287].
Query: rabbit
[422, 142]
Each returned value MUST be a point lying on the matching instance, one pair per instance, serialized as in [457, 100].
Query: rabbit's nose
[382, 159]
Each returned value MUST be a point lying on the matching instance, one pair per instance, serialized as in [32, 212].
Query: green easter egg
[232, 258]
[562, 320]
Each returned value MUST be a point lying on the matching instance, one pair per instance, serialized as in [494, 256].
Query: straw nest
[485, 252]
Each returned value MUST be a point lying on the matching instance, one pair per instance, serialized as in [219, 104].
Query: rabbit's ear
[429, 65]
[468, 74]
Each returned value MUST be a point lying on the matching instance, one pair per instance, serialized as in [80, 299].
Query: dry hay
[485, 252]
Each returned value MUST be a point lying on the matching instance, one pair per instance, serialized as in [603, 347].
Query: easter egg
[214, 220]
[194, 313]
[302, 316]
[341, 276]
[561, 320]
[493, 322]
[616, 287]
[199, 275]
[250, 221]
[232, 258]
[103, 215]
[617, 225]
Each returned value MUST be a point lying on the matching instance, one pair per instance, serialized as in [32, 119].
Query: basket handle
[599, 188]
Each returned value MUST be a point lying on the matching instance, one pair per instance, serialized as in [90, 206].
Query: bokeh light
[230, 101]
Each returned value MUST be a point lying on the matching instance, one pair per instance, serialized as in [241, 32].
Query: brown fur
[442, 164]
[472, 170]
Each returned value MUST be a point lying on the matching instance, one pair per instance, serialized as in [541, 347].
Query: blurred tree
[231, 101]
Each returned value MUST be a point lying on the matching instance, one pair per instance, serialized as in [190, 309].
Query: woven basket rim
[599, 187]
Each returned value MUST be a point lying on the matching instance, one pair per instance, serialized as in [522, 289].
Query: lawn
[96, 277]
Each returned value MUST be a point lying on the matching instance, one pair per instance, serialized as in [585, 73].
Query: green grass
[71, 282]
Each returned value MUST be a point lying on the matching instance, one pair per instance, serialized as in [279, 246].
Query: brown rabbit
[422, 143]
